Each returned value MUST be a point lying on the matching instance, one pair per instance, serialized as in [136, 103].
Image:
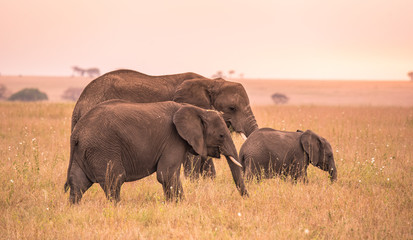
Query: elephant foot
[174, 193]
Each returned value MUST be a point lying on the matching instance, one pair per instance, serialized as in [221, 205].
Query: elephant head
[230, 98]
[207, 134]
[319, 152]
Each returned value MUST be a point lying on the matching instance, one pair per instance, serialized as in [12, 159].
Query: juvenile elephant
[268, 152]
[225, 96]
[119, 141]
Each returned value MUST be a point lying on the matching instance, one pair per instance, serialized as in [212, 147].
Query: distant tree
[91, 72]
[28, 95]
[72, 94]
[230, 72]
[218, 74]
[279, 98]
[4, 92]
[78, 70]
[410, 74]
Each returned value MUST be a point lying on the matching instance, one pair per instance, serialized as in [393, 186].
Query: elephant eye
[232, 109]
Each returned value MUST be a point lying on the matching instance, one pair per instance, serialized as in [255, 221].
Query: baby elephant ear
[312, 146]
[189, 125]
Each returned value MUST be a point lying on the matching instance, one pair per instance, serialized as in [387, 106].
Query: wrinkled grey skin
[119, 141]
[268, 152]
[225, 96]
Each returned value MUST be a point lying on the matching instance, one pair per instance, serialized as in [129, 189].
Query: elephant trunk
[250, 124]
[238, 177]
[230, 152]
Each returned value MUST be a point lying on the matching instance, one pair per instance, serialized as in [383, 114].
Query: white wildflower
[239, 214]
[306, 231]
[11, 180]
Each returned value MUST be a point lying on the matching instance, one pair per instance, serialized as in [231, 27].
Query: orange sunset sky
[297, 39]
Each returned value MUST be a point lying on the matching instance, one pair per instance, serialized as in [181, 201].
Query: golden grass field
[372, 199]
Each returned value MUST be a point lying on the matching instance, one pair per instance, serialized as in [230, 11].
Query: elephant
[134, 140]
[268, 152]
[218, 94]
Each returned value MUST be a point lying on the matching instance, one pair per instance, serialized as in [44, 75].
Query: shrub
[279, 98]
[4, 93]
[28, 95]
[72, 93]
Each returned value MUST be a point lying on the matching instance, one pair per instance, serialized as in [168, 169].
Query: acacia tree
[279, 98]
[28, 95]
[218, 74]
[4, 92]
[230, 72]
[72, 93]
[410, 74]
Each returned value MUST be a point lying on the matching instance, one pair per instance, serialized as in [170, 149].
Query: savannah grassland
[372, 199]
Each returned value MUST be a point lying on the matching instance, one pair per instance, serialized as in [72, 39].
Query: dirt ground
[299, 92]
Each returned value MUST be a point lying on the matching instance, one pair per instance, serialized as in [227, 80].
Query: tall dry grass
[372, 198]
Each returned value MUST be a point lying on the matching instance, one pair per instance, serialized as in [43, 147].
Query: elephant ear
[188, 123]
[195, 92]
[312, 145]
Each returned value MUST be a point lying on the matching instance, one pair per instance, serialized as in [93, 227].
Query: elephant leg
[78, 183]
[297, 172]
[208, 168]
[305, 178]
[172, 188]
[114, 178]
[168, 176]
[192, 166]
[251, 171]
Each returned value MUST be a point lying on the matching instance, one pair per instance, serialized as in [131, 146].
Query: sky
[274, 39]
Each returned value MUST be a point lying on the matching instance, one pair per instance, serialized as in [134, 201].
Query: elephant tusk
[243, 136]
[235, 161]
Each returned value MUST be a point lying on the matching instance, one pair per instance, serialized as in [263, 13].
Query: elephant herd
[127, 125]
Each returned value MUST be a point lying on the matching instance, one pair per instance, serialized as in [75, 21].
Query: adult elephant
[134, 140]
[230, 98]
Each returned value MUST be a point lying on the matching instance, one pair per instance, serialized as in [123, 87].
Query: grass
[372, 198]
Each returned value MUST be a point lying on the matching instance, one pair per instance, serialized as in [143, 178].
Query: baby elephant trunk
[333, 172]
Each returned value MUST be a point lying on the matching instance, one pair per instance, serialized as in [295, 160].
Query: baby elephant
[119, 141]
[268, 152]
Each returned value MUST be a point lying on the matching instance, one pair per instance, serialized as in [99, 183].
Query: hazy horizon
[301, 39]
[70, 75]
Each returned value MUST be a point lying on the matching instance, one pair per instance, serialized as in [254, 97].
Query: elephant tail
[73, 143]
